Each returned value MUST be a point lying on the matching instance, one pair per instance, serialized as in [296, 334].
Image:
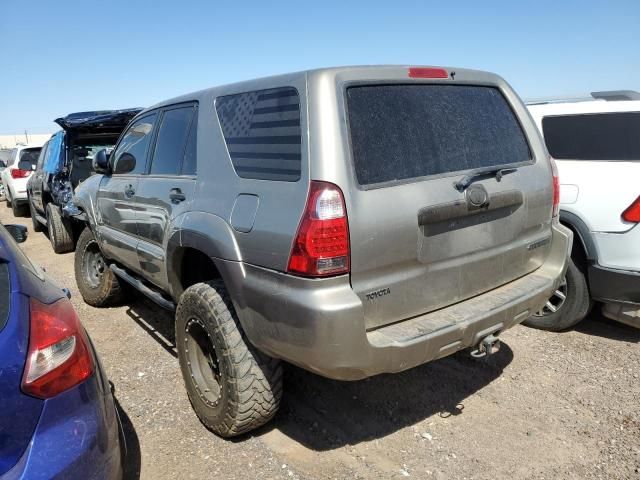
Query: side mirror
[18, 232]
[26, 165]
[125, 163]
[101, 161]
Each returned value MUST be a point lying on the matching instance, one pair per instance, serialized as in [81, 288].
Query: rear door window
[597, 136]
[262, 133]
[190, 164]
[172, 141]
[405, 132]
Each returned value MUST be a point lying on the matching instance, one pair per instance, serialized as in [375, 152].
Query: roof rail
[616, 95]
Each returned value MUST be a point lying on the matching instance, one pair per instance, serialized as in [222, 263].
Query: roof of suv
[600, 102]
[399, 72]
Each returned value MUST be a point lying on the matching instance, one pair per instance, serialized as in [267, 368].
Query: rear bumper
[613, 285]
[319, 325]
[77, 437]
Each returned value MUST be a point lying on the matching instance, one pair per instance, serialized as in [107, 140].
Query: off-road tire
[575, 307]
[250, 381]
[60, 230]
[108, 289]
[37, 226]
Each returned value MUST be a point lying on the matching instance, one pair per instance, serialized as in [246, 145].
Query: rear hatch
[418, 243]
[101, 122]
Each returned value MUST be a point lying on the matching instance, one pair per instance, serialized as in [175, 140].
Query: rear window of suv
[596, 136]
[404, 132]
[262, 133]
[30, 155]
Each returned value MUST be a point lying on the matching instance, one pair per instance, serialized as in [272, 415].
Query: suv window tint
[136, 142]
[30, 155]
[171, 142]
[402, 132]
[262, 133]
[597, 136]
[190, 164]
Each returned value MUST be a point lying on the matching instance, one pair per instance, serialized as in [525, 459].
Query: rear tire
[60, 230]
[233, 387]
[98, 285]
[573, 308]
[37, 226]
[17, 209]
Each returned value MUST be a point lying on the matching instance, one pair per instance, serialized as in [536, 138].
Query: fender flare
[207, 233]
[578, 225]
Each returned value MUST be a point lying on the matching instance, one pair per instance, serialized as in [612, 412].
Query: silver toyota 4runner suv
[352, 221]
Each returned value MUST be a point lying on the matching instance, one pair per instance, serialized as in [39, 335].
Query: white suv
[14, 177]
[596, 145]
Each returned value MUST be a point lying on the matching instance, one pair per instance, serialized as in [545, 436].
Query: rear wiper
[462, 184]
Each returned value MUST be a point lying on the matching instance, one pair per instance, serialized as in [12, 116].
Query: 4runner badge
[378, 293]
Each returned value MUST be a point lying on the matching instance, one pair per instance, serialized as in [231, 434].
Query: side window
[43, 152]
[136, 142]
[262, 133]
[190, 164]
[595, 136]
[171, 141]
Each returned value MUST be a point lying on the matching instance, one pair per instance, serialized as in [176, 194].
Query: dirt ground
[547, 406]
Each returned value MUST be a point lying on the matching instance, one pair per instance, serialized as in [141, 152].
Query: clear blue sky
[63, 56]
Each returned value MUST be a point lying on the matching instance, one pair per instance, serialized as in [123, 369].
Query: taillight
[321, 247]
[17, 173]
[632, 213]
[59, 357]
[427, 72]
[556, 188]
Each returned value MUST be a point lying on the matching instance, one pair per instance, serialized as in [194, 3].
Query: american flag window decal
[262, 133]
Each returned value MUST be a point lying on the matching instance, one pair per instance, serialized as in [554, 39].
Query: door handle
[129, 191]
[176, 195]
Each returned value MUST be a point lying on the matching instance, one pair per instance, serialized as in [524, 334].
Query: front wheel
[569, 304]
[233, 387]
[98, 285]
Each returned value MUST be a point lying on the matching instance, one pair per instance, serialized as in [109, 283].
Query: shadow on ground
[131, 446]
[598, 325]
[325, 414]
[154, 320]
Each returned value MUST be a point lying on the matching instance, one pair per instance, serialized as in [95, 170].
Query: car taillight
[556, 188]
[59, 357]
[632, 213]
[17, 173]
[321, 247]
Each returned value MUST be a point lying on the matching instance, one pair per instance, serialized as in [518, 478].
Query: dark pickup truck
[66, 160]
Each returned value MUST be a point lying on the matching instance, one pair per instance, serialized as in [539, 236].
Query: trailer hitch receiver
[487, 346]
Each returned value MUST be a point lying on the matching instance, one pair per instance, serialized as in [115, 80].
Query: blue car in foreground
[57, 412]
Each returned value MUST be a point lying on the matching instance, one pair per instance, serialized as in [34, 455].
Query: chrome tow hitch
[487, 346]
